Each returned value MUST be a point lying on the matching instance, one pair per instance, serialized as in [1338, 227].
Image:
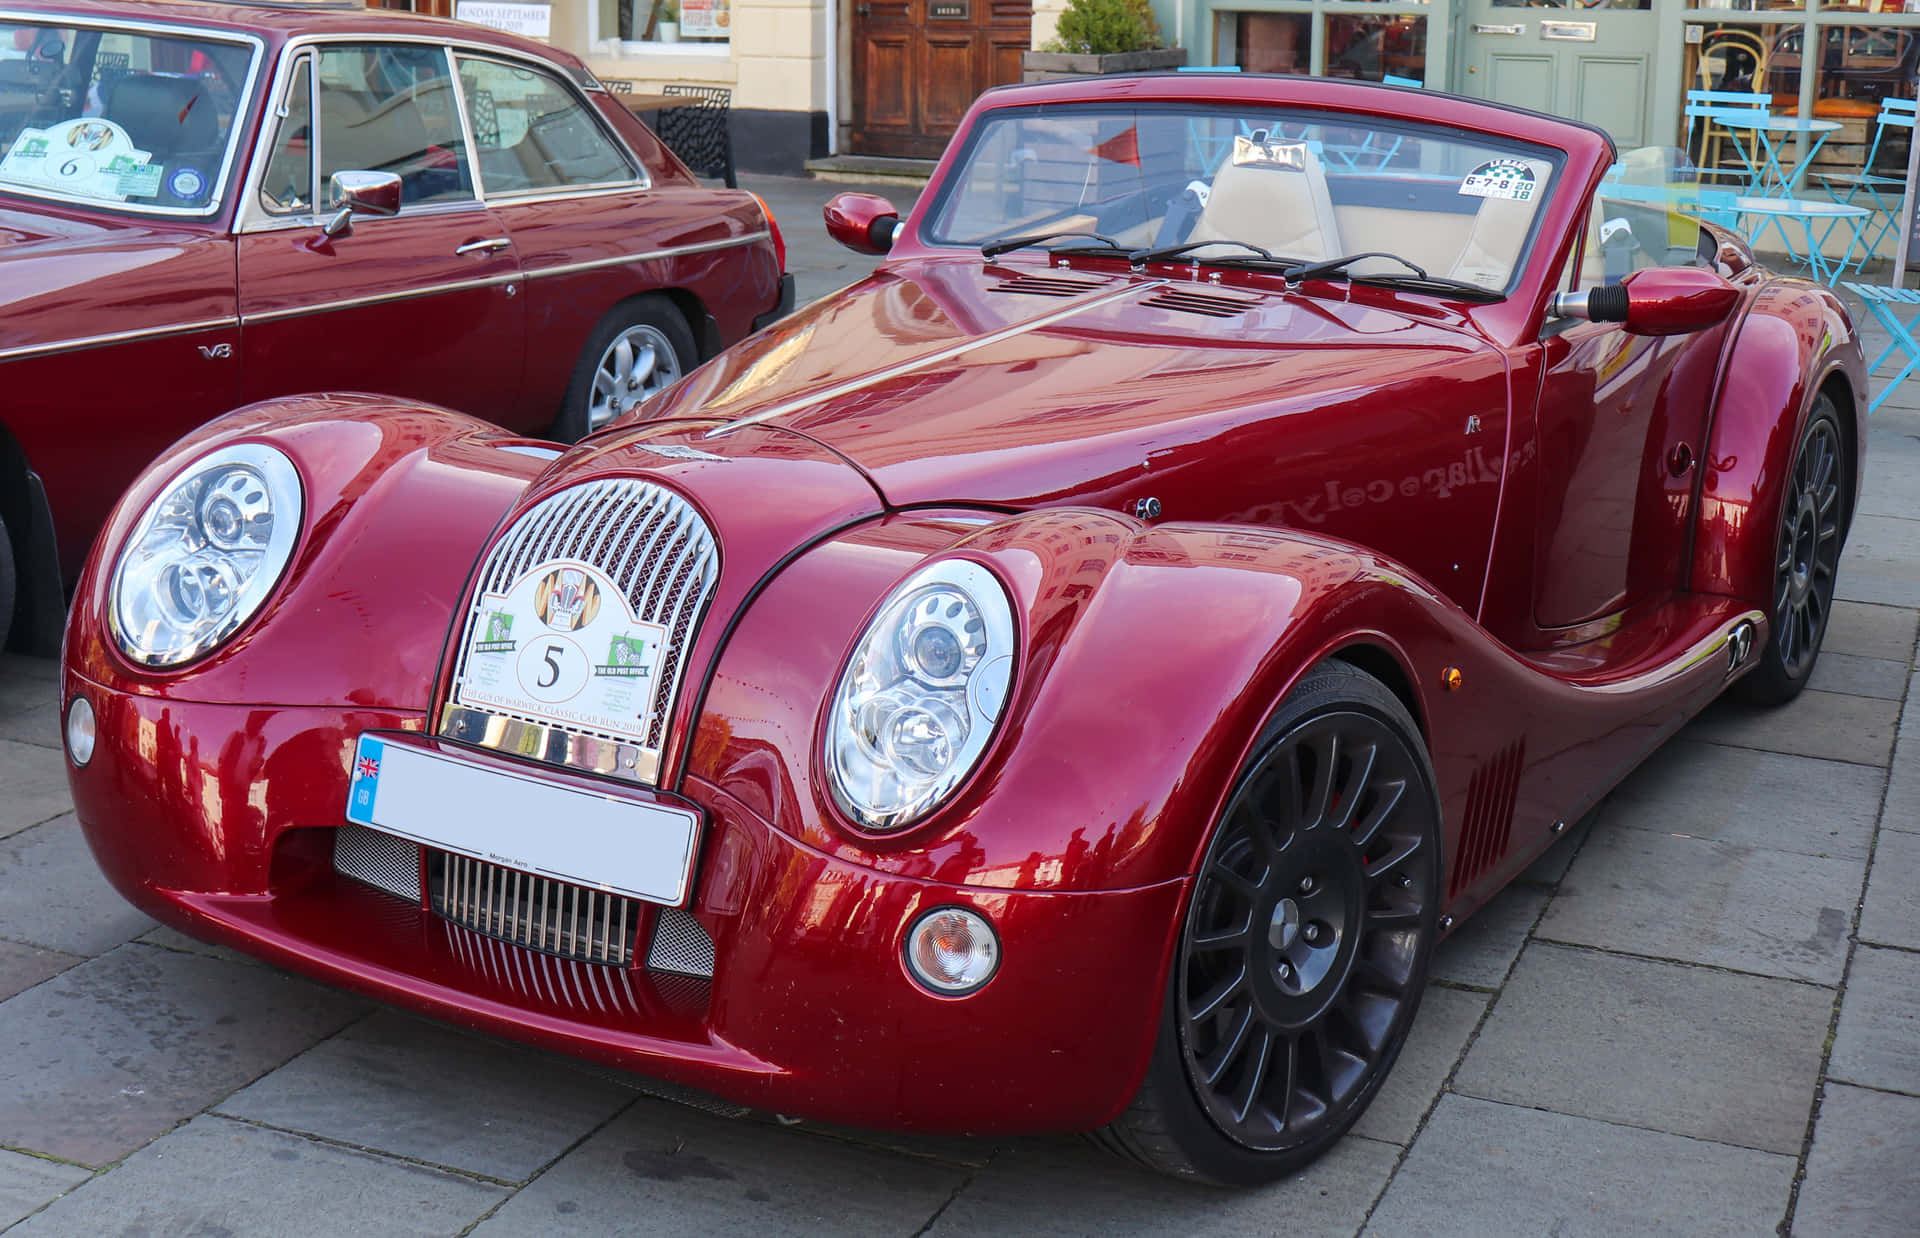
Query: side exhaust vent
[1488, 829]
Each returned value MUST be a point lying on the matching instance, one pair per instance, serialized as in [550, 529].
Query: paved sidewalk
[1699, 1015]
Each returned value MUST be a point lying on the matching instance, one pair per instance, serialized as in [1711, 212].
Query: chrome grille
[541, 914]
[379, 859]
[680, 945]
[658, 552]
[560, 982]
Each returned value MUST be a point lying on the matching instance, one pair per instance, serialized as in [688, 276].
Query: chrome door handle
[484, 247]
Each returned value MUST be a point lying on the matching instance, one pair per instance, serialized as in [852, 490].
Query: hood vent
[1206, 304]
[1049, 285]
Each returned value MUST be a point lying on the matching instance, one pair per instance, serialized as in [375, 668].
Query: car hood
[969, 382]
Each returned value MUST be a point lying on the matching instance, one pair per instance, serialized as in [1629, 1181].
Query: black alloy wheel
[1305, 946]
[1812, 530]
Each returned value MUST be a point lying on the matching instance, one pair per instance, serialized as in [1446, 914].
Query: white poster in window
[534, 21]
[705, 19]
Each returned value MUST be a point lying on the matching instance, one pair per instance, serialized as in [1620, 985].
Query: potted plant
[1102, 36]
[666, 26]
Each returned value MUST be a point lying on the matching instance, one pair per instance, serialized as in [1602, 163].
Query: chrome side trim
[116, 337]
[675, 251]
[1706, 649]
[934, 358]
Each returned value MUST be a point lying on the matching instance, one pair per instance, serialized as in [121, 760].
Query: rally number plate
[604, 842]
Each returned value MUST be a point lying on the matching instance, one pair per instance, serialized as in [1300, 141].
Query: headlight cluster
[919, 699]
[205, 554]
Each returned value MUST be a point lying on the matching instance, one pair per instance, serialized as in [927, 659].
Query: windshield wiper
[1006, 244]
[1174, 251]
[1419, 278]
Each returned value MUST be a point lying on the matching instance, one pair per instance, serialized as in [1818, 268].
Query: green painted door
[1590, 63]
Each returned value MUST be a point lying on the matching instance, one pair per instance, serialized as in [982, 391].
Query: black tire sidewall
[1210, 1154]
[1770, 683]
[8, 590]
[652, 310]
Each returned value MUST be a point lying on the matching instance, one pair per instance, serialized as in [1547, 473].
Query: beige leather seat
[1280, 205]
[1500, 228]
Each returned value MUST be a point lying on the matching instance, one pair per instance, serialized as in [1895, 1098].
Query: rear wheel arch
[36, 600]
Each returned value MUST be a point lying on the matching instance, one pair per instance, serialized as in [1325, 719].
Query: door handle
[483, 247]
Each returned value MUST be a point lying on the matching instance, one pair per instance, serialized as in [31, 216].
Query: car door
[1620, 426]
[425, 304]
[572, 199]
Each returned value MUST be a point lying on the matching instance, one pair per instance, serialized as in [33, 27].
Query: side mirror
[865, 223]
[360, 193]
[1656, 301]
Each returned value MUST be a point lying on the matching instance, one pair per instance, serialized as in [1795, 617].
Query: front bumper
[218, 820]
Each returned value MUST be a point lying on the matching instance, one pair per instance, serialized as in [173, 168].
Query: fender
[399, 497]
[1796, 338]
[1192, 635]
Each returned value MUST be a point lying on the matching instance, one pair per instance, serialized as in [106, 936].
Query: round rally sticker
[186, 183]
[1509, 179]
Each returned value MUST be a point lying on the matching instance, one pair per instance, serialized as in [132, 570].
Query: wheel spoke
[1363, 762]
[1231, 1049]
[1212, 943]
[1218, 996]
[622, 359]
[1405, 849]
[1256, 1074]
[1245, 887]
[1326, 767]
[1386, 798]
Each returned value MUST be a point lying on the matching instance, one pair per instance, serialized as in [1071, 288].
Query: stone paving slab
[52, 893]
[1850, 673]
[393, 1083]
[1831, 725]
[1878, 1042]
[1741, 795]
[1731, 905]
[22, 967]
[28, 1184]
[1869, 631]
[1553, 862]
[34, 728]
[102, 1058]
[1861, 1181]
[1891, 916]
[1065, 1188]
[1481, 1169]
[1441, 1030]
[1683, 1049]
[36, 788]
[215, 1178]
[1881, 562]
[662, 1170]
[1482, 950]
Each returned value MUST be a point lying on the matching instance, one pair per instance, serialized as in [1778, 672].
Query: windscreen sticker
[1278, 153]
[186, 183]
[1510, 180]
[89, 157]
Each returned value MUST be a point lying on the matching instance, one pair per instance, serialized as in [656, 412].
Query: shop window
[620, 23]
[1274, 42]
[1369, 48]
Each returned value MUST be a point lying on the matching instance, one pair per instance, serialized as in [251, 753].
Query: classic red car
[1066, 681]
[179, 236]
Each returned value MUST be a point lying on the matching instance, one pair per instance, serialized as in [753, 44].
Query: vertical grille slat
[535, 913]
[653, 546]
[1486, 832]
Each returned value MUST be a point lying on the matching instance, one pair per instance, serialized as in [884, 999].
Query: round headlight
[921, 694]
[205, 554]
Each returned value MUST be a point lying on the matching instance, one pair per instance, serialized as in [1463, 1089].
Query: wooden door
[917, 65]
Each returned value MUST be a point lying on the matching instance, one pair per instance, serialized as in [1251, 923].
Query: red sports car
[1067, 681]
[193, 215]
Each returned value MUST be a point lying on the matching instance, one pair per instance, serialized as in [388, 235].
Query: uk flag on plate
[366, 779]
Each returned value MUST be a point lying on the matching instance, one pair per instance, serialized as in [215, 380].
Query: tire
[642, 346]
[1305, 945]
[1810, 531]
[7, 589]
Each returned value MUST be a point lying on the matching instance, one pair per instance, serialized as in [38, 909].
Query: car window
[531, 132]
[138, 119]
[389, 107]
[287, 186]
[1647, 213]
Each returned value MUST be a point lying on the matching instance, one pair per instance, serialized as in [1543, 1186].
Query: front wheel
[1305, 945]
[644, 346]
[1806, 561]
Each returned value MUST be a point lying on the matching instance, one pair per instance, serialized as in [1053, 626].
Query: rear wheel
[1305, 946]
[641, 348]
[1806, 561]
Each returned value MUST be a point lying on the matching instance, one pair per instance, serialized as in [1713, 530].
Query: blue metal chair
[1712, 106]
[1884, 192]
[1388, 79]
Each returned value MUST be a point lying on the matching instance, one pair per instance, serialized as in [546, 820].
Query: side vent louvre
[1206, 304]
[1488, 829]
[1049, 285]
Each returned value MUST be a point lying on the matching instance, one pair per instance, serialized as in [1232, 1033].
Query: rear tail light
[773, 228]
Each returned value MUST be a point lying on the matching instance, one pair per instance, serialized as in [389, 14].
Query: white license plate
[603, 842]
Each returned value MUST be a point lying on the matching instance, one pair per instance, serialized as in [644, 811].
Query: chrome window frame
[637, 177]
[281, 112]
[251, 218]
[245, 108]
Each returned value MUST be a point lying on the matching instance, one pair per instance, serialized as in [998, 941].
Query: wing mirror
[376, 194]
[865, 223]
[1656, 301]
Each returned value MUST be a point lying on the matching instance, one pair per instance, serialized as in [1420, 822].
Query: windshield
[1301, 186]
[133, 118]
